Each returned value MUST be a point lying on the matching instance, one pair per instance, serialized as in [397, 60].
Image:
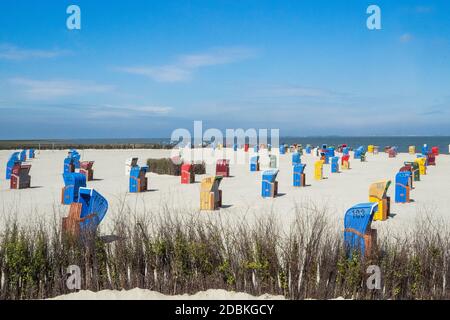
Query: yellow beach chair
[210, 195]
[318, 170]
[422, 166]
[370, 148]
[378, 194]
[412, 150]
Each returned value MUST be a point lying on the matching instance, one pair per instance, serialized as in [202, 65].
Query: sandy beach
[241, 191]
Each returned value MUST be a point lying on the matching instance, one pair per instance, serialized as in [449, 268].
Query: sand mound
[144, 294]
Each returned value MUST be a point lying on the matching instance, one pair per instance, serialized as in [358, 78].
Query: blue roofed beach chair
[335, 165]
[86, 214]
[359, 237]
[299, 177]
[13, 159]
[402, 187]
[296, 158]
[269, 183]
[138, 180]
[254, 163]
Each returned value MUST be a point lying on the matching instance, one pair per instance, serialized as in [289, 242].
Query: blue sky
[145, 68]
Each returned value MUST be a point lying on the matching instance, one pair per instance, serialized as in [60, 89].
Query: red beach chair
[187, 173]
[86, 169]
[20, 178]
[223, 168]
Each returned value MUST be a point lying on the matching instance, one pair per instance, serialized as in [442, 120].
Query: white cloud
[406, 37]
[161, 74]
[185, 65]
[423, 9]
[49, 89]
[11, 52]
[126, 111]
[296, 91]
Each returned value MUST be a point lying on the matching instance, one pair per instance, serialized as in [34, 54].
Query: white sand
[241, 193]
[143, 294]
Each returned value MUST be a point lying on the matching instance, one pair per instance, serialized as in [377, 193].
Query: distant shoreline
[402, 142]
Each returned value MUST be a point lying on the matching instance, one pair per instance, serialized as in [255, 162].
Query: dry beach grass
[177, 255]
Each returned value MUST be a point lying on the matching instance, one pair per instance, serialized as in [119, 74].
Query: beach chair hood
[299, 168]
[94, 207]
[269, 175]
[13, 159]
[379, 189]
[209, 183]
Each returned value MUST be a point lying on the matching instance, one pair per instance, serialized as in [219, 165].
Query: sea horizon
[402, 142]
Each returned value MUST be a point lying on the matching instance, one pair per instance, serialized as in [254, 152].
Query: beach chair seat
[358, 153]
[431, 159]
[392, 152]
[335, 165]
[86, 169]
[187, 173]
[85, 214]
[210, 194]
[73, 182]
[435, 150]
[254, 163]
[269, 183]
[299, 177]
[422, 165]
[273, 161]
[359, 237]
[138, 180]
[378, 194]
[20, 178]
[402, 188]
[223, 167]
[425, 149]
[318, 170]
[345, 162]
[414, 169]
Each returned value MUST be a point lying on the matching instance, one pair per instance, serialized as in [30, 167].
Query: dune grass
[174, 255]
[167, 166]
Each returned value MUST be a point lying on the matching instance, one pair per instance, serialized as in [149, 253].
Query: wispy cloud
[185, 65]
[11, 52]
[295, 91]
[89, 111]
[49, 89]
[126, 111]
[406, 37]
[423, 9]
